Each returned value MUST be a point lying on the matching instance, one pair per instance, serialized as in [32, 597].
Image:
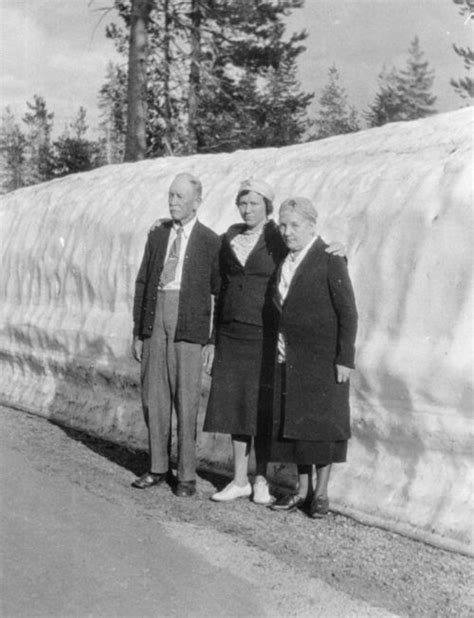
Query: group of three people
[281, 349]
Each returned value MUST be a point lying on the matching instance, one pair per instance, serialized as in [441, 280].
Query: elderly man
[171, 337]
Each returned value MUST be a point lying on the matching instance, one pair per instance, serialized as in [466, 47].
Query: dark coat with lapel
[244, 286]
[200, 280]
[318, 320]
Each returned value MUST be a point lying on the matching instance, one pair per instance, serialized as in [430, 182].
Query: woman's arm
[342, 296]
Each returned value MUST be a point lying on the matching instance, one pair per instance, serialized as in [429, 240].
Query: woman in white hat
[249, 255]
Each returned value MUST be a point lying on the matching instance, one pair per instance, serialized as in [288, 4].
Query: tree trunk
[194, 74]
[167, 113]
[135, 141]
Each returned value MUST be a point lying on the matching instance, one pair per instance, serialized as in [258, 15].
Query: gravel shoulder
[383, 569]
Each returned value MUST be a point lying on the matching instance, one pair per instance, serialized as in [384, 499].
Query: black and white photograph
[236, 309]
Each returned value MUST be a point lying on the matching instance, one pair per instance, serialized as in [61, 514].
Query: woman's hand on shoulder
[156, 224]
[337, 248]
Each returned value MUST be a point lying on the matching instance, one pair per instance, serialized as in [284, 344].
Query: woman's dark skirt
[233, 400]
[301, 452]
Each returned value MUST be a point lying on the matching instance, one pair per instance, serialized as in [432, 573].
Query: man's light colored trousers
[171, 377]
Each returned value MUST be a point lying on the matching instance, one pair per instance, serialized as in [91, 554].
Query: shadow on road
[136, 462]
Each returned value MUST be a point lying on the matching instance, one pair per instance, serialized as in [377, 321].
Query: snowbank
[399, 197]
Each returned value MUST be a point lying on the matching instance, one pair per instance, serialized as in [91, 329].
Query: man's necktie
[168, 273]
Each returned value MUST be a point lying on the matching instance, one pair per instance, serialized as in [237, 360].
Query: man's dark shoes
[319, 507]
[288, 503]
[185, 489]
[149, 479]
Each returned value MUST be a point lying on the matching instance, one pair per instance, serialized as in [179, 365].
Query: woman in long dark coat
[249, 255]
[314, 317]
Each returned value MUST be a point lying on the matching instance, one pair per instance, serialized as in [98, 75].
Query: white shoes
[261, 493]
[231, 492]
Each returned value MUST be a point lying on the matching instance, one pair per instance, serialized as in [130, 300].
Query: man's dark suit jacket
[200, 280]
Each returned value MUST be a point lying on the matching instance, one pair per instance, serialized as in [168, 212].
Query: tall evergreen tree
[113, 113]
[387, 105]
[137, 108]
[196, 16]
[211, 68]
[404, 94]
[415, 83]
[464, 86]
[334, 116]
[72, 151]
[253, 78]
[21, 154]
[12, 153]
[78, 124]
[39, 122]
[282, 111]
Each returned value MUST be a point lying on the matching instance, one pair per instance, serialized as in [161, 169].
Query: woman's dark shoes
[185, 489]
[148, 480]
[319, 507]
[288, 503]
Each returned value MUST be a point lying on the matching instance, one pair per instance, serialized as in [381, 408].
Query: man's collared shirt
[186, 233]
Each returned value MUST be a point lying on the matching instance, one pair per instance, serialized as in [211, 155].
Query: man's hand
[342, 374]
[336, 248]
[137, 349]
[208, 357]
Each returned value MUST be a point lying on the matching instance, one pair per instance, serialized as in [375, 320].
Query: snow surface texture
[398, 197]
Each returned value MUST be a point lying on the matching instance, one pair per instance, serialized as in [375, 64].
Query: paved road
[68, 550]
[67, 553]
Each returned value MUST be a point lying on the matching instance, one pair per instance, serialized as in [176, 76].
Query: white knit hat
[259, 186]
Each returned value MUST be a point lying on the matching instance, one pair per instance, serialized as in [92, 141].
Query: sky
[58, 49]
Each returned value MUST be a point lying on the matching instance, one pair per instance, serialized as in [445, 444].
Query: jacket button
[152, 313]
[150, 327]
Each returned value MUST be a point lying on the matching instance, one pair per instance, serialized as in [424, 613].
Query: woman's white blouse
[288, 269]
[243, 243]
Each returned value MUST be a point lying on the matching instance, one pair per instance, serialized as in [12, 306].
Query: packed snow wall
[398, 197]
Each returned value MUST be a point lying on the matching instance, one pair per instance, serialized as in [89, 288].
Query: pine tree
[334, 115]
[12, 153]
[414, 85]
[32, 158]
[464, 86]
[38, 150]
[165, 75]
[404, 94]
[137, 108]
[211, 66]
[78, 125]
[72, 152]
[252, 57]
[387, 105]
[283, 108]
[113, 111]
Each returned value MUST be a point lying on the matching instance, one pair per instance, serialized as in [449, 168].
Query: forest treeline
[219, 76]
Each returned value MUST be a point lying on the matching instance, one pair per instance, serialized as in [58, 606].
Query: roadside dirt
[384, 569]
